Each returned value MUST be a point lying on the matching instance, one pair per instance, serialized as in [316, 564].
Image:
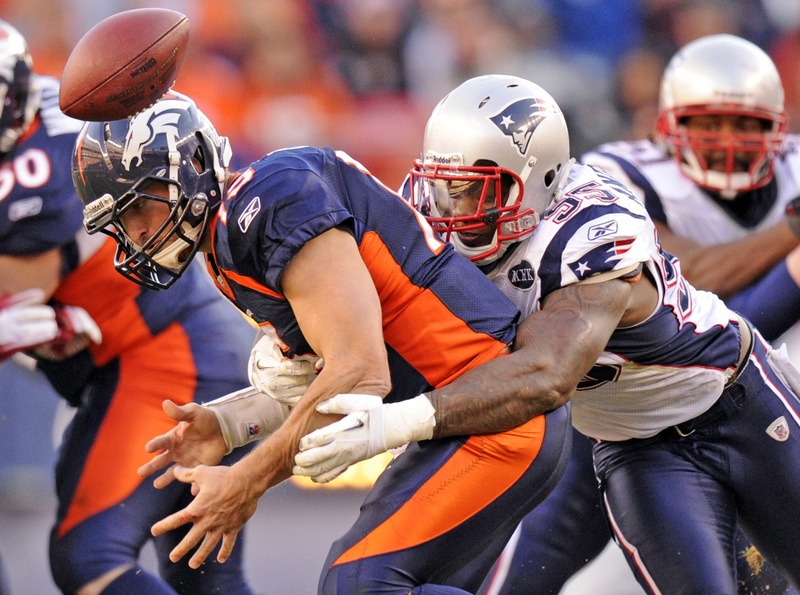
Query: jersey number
[29, 170]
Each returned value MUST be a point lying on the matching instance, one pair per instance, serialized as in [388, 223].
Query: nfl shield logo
[779, 429]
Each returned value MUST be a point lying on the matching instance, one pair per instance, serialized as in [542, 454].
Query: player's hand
[196, 440]
[369, 427]
[76, 331]
[284, 379]
[327, 452]
[25, 322]
[222, 505]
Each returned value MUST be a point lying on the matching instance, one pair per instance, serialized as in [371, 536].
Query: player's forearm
[728, 268]
[495, 397]
[555, 347]
[22, 272]
[503, 393]
[271, 462]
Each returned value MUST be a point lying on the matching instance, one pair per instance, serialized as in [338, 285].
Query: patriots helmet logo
[519, 119]
[144, 129]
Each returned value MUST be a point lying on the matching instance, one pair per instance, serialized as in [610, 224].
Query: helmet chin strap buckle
[491, 217]
[199, 204]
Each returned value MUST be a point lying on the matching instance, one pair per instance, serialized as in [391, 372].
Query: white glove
[369, 428]
[76, 331]
[282, 378]
[25, 322]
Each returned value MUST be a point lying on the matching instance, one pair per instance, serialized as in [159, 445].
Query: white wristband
[247, 415]
[408, 421]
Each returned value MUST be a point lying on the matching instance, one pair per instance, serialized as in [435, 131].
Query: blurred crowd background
[363, 75]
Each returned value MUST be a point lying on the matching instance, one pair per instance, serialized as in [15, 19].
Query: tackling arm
[728, 268]
[555, 348]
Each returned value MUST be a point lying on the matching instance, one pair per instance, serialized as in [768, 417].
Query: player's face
[725, 126]
[143, 218]
[465, 200]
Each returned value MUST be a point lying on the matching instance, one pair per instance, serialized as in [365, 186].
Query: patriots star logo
[519, 119]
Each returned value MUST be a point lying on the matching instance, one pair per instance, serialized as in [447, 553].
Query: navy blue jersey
[435, 317]
[39, 210]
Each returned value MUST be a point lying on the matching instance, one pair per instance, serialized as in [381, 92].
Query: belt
[722, 408]
[745, 349]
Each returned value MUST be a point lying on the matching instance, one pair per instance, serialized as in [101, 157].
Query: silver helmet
[19, 88]
[503, 135]
[722, 75]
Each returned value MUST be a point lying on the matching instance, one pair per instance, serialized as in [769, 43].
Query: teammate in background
[719, 181]
[143, 347]
[329, 263]
[716, 183]
[694, 415]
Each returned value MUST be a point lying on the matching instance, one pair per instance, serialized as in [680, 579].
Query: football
[124, 64]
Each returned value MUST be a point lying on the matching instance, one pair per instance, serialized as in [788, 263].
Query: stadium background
[362, 76]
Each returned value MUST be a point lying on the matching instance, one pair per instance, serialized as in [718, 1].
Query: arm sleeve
[772, 304]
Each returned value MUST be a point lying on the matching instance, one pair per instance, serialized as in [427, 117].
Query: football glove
[25, 322]
[369, 427]
[76, 331]
[284, 379]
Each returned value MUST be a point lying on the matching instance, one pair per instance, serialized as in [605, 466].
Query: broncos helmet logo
[162, 118]
[519, 119]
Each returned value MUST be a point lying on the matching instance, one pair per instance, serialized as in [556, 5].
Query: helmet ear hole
[549, 177]
[199, 158]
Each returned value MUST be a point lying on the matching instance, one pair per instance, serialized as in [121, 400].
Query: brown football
[124, 64]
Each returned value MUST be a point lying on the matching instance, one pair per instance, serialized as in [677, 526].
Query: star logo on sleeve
[582, 269]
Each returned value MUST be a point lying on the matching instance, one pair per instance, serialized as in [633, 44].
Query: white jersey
[673, 199]
[656, 179]
[659, 373]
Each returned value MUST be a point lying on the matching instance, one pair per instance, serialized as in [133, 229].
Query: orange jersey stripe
[109, 298]
[251, 283]
[444, 346]
[485, 467]
[162, 369]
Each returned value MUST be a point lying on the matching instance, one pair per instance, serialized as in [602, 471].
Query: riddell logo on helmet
[520, 119]
[450, 159]
[731, 95]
